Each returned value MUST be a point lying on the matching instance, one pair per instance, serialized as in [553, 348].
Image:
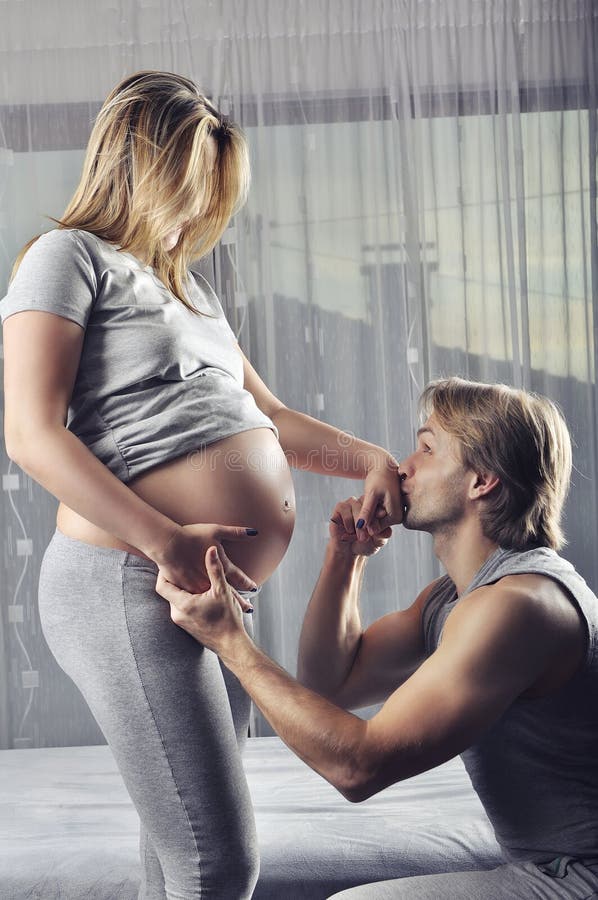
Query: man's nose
[406, 468]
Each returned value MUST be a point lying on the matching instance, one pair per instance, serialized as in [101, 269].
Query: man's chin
[411, 523]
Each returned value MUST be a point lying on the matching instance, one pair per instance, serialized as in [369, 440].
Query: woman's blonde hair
[520, 437]
[148, 167]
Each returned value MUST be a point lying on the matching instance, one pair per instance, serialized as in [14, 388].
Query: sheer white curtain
[423, 203]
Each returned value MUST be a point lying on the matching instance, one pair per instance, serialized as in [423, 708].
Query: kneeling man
[496, 661]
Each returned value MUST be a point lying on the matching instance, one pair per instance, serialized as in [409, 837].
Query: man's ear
[482, 484]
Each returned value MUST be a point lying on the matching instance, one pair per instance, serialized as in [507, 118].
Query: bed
[68, 829]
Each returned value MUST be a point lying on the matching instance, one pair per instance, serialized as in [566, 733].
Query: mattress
[68, 829]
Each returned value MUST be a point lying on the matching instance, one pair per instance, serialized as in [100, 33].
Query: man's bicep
[482, 665]
[432, 717]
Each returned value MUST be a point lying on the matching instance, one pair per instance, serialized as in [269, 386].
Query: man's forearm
[331, 630]
[336, 744]
[331, 741]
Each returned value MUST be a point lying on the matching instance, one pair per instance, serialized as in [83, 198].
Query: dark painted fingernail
[251, 531]
[250, 610]
[360, 523]
[253, 590]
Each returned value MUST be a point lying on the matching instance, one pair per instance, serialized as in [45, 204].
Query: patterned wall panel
[39, 705]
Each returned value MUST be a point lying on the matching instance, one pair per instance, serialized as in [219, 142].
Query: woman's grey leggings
[164, 705]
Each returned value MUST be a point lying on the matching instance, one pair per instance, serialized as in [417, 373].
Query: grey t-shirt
[536, 768]
[155, 381]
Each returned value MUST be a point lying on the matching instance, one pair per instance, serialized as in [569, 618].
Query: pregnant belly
[241, 480]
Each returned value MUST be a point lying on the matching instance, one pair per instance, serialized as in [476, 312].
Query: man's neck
[463, 551]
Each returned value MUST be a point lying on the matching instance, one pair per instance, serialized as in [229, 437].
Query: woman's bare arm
[321, 448]
[41, 357]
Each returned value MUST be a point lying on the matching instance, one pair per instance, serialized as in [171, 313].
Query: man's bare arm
[341, 661]
[390, 651]
[485, 661]
[336, 657]
[331, 632]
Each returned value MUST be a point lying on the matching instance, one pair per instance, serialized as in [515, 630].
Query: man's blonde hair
[522, 438]
[148, 165]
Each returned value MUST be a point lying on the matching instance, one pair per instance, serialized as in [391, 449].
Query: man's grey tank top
[536, 769]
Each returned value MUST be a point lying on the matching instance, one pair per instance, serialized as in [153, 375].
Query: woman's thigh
[160, 699]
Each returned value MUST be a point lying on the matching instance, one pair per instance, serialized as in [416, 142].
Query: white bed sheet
[68, 830]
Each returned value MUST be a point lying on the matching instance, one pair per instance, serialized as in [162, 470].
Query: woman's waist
[240, 480]
[134, 431]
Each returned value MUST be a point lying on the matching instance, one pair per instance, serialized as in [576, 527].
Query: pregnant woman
[128, 398]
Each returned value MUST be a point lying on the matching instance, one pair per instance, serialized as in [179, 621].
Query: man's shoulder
[431, 607]
[528, 601]
[436, 589]
[532, 589]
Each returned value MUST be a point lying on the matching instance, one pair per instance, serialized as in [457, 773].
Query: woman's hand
[382, 499]
[345, 534]
[182, 560]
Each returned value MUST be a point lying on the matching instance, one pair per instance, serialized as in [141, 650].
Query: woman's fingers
[234, 532]
[346, 526]
[233, 574]
[365, 516]
[344, 516]
[381, 512]
[245, 605]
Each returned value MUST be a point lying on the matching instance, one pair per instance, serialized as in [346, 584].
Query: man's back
[535, 769]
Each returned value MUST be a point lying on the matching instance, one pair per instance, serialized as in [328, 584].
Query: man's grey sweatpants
[564, 878]
[164, 705]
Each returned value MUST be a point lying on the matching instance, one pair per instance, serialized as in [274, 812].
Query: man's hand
[214, 618]
[344, 534]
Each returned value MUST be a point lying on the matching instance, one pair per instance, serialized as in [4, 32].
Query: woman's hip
[112, 634]
[99, 611]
